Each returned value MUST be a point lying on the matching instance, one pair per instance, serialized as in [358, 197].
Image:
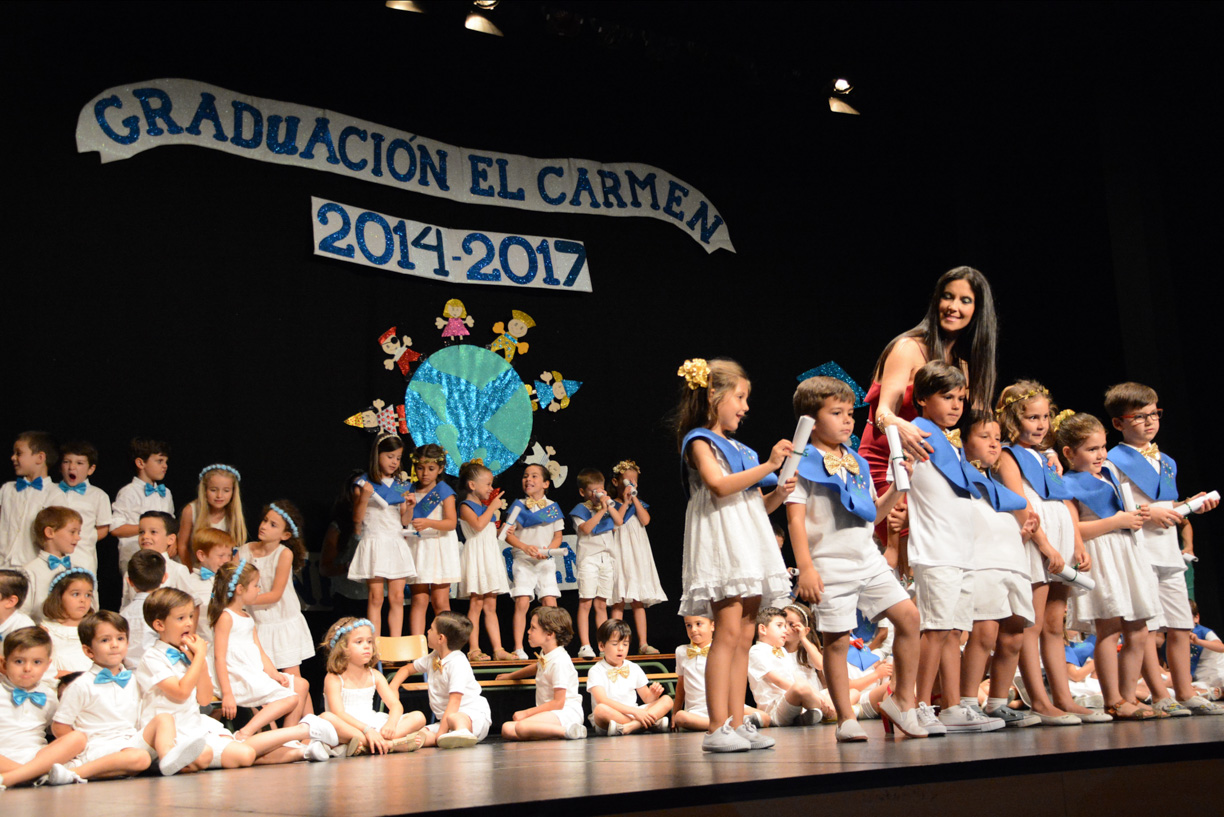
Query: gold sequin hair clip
[1058, 418]
[696, 372]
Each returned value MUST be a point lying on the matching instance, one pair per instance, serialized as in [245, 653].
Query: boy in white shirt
[146, 573]
[14, 588]
[832, 514]
[213, 548]
[780, 692]
[454, 693]
[616, 684]
[26, 708]
[156, 533]
[58, 530]
[595, 520]
[104, 703]
[22, 499]
[558, 710]
[145, 492]
[78, 461]
[537, 531]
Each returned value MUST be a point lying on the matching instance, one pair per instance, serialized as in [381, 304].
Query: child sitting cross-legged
[779, 689]
[616, 684]
[454, 694]
[558, 709]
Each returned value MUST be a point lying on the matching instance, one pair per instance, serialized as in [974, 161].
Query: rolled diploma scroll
[1128, 500]
[1072, 576]
[896, 456]
[558, 552]
[803, 432]
[508, 524]
[1187, 508]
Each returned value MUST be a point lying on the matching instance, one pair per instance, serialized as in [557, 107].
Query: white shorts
[596, 574]
[783, 713]
[480, 724]
[1174, 601]
[945, 597]
[534, 577]
[99, 747]
[1000, 594]
[218, 743]
[836, 612]
[566, 717]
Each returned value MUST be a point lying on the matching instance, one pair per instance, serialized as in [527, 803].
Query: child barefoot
[463, 717]
[616, 684]
[558, 710]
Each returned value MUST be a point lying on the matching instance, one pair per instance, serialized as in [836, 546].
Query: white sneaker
[755, 739]
[850, 731]
[725, 739]
[60, 775]
[585, 652]
[321, 729]
[457, 739]
[182, 754]
[808, 717]
[575, 731]
[1014, 717]
[754, 718]
[930, 722]
[520, 654]
[1172, 708]
[613, 729]
[1198, 705]
[965, 719]
[661, 725]
[316, 752]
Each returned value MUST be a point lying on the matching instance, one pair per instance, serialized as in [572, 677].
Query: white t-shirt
[94, 506]
[840, 542]
[17, 512]
[1211, 662]
[996, 540]
[692, 671]
[129, 504]
[1162, 545]
[23, 728]
[762, 660]
[140, 635]
[941, 522]
[156, 667]
[453, 674]
[540, 536]
[16, 621]
[558, 673]
[104, 711]
[621, 689]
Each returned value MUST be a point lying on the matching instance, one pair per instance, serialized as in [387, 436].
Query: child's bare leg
[410, 722]
[721, 660]
[538, 727]
[549, 601]
[60, 750]
[904, 618]
[492, 624]
[475, 608]
[301, 687]
[584, 622]
[395, 607]
[691, 723]
[837, 673]
[1177, 651]
[374, 603]
[1153, 673]
[603, 714]
[639, 623]
[124, 763]
[1105, 657]
[1006, 656]
[1031, 653]
[617, 611]
[949, 669]
[739, 665]
[265, 715]
[439, 597]
[1130, 659]
[521, 605]
[982, 640]
[344, 730]
[930, 649]
[1053, 651]
[601, 612]
[418, 610]
[160, 734]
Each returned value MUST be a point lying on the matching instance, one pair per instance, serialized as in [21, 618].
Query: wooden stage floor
[1034, 772]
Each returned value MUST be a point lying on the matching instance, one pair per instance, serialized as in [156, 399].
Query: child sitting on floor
[780, 691]
[454, 694]
[616, 684]
[558, 710]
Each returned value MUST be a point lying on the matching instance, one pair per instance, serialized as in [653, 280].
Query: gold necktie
[779, 652]
[1152, 451]
[618, 672]
[953, 437]
[834, 463]
[698, 652]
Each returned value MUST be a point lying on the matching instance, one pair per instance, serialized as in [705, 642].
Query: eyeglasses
[1141, 419]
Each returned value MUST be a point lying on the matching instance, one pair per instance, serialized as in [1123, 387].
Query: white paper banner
[456, 256]
[125, 120]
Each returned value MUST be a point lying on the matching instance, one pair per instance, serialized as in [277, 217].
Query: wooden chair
[401, 650]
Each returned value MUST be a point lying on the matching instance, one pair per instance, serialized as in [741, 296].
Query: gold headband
[1040, 391]
[625, 465]
[1058, 418]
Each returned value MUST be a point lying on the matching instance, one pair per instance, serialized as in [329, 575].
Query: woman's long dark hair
[975, 347]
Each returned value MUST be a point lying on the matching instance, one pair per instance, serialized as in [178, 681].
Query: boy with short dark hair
[146, 573]
[14, 589]
[463, 716]
[595, 519]
[1152, 476]
[151, 459]
[616, 683]
[78, 461]
[156, 532]
[558, 710]
[21, 500]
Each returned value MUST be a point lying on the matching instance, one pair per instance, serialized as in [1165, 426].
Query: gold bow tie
[1152, 451]
[698, 652]
[835, 462]
[535, 504]
[978, 465]
[618, 672]
[540, 660]
[437, 664]
[779, 652]
[953, 437]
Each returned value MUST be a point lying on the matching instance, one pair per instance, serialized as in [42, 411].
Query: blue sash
[476, 507]
[1000, 497]
[584, 513]
[955, 469]
[1100, 496]
[854, 494]
[1044, 478]
[630, 509]
[393, 493]
[1159, 487]
[530, 519]
[739, 457]
[426, 504]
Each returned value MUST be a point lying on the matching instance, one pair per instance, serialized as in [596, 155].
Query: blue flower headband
[216, 466]
[233, 582]
[272, 506]
[343, 631]
[78, 570]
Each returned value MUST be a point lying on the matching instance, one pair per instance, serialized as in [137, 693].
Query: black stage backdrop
[1068, 151]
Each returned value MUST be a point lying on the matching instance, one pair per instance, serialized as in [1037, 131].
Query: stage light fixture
[842, 86]
[405, 5]
[837, 89]
[476, 21]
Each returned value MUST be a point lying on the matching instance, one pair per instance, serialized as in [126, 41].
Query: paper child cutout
[553, 393]
[455, 321]
[381, 418]
[397, 347]
[508, 336]
[542, 455]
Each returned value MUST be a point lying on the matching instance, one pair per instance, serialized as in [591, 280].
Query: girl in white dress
[433, 541]
[218, 504]
[380, 512]
[1123, 599]
[243, 675]
[277, 554]
[637, 578]
[482, 564]
[731, 558]
[1023, 412]
[69, 599]
[348, 694]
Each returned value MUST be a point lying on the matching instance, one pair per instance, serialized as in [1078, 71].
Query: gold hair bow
[696, 373]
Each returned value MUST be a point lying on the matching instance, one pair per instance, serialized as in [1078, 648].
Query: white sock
[968, 702]
[994, 703]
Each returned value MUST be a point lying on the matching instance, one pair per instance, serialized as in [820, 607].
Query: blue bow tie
[79, 487]
[207, 574]
[20, 696]
[56, 561]
[176, 656]
[23, 483]
[107, 677]
[160, 490]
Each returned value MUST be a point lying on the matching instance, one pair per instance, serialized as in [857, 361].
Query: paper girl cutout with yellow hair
[455, 321]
